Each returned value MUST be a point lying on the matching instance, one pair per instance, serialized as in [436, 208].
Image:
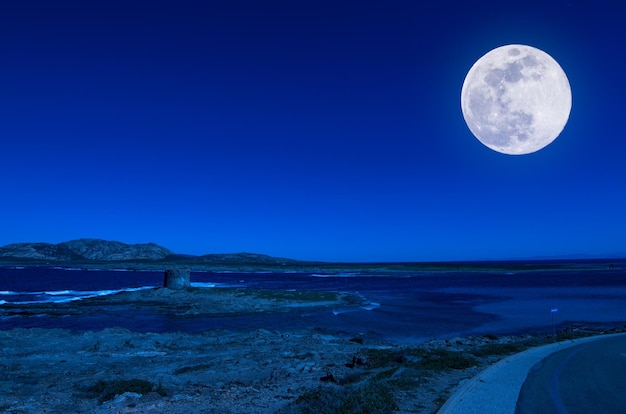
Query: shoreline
[238, 371]
[162, 310]
[298, 266]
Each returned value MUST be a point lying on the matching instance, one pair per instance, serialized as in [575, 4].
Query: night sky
[303, 129]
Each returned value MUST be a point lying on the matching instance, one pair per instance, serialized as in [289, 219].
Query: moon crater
[516, 99]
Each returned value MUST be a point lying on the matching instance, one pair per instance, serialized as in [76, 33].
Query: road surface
[586, 378]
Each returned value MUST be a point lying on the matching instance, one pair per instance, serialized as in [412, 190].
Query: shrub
[193, 368]
[366, 399]
[498, 349]
[381, 358]
[107, 390]
[506, 349]
[441, 360]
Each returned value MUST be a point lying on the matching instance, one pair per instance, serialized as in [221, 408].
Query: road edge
[496, 388]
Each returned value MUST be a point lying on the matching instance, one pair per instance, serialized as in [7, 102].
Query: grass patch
[569, 335]
[382, 358]
[352, 378]
[441, 400]
[408, 379]
[499, 349]
[107, 390]
[508, 348]
[443, 360]
[435, 360]
[365, 399]
[386, 374]
[291, 295]
[193, 368]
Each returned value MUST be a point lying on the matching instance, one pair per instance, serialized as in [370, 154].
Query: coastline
[238, 371]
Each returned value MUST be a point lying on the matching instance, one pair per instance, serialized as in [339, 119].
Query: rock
[177, 279]
[328, 378]
[305, 366]
[125, 396]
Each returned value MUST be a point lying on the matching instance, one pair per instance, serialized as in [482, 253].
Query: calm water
[408, 306]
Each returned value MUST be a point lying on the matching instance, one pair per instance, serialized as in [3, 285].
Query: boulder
[177, 279]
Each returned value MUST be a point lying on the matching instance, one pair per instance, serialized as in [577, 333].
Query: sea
[407, 306]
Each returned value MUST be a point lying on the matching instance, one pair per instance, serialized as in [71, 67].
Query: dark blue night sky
[304, 129]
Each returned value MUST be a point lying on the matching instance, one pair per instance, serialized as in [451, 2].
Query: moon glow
[516, 99]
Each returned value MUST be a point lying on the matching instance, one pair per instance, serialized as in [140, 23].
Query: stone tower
[177, 278]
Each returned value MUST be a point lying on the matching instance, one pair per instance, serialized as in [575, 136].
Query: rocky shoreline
[229, 371]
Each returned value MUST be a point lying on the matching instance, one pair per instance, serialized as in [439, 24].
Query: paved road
[586, 378]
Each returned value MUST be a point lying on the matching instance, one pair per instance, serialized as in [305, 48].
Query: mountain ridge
[103, 254]
[86, 250]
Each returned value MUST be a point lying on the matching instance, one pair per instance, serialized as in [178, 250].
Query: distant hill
[104, 254]
[247, 258]
[85, 251]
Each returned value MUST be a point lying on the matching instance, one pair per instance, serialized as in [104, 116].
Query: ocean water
[407, 306]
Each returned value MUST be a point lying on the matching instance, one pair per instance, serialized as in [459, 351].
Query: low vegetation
[194, 368]
[444, 360]
[108, 390]
[387, 373]
[288, 295]
[366, 399]
[373, 388]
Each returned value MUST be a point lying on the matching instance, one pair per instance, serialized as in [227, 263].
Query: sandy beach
[233, 371]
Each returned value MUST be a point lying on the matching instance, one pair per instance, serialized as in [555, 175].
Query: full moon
[516, 99]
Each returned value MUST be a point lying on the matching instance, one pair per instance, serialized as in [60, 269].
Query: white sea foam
[344, 310]
[59, 292]
[6, 292]
[21, 293]
[371, 306]
[203, 284]
[134, 289]
[64, 296]
[367, 307]
[336, 274]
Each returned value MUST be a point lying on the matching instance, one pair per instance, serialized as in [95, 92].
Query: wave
[371, 306]
[64, 296]
[60, 296]
[367, 307]
[336, 274]
[59, 293]
[203, 284]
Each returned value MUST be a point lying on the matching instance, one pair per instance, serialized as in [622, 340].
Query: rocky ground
[220, 371]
